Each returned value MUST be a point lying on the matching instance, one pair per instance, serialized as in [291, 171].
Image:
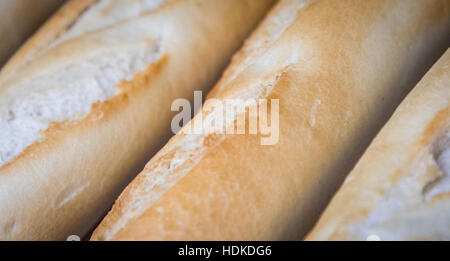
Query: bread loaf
[85, 103]
[335, 70]
[400, 189]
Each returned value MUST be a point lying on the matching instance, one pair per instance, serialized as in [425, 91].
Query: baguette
[86, 102]
[400, 189]
[338, 69]
[19, 19]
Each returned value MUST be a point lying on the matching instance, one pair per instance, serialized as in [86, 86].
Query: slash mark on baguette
[181, 154]
[100, 112]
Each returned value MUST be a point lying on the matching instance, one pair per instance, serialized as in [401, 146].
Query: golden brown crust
[403, 153]
[346, 56]
[62, 184]
[55, 148]
[100, 112]
[277, 21]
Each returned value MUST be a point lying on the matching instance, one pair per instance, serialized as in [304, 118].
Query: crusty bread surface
[338, 68]
[400, 189]
[87, 101]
